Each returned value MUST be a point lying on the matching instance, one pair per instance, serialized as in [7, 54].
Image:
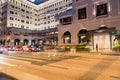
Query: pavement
[61, 66]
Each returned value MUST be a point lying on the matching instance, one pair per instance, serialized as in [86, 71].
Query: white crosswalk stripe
[25, 58]
[16, 60]
[8, 64]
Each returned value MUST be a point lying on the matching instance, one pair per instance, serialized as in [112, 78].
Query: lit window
[101, 9]
[82, 13]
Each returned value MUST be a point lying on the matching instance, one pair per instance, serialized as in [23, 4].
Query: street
[67, 67]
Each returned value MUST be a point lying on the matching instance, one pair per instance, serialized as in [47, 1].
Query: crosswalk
[8, 64]
[6, 61]
[22, 58]
[26, 62]
[17, 68]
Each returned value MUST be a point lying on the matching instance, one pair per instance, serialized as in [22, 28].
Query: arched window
[82, 35]
[67, 37]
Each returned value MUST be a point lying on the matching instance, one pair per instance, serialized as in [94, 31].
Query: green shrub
[67, 48]
[77, 47]
[116, 45]
[82, 48]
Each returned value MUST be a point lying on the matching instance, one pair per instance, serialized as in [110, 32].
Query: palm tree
[117, 37]
[87, 39]
[117, 45]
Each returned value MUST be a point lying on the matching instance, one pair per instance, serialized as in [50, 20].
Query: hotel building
[24, 22]
[97, 20]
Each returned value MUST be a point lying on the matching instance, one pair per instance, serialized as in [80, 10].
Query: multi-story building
[98, 20]
[21, 19]
[48, 10]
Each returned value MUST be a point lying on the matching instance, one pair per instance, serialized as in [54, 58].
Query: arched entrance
[17, 42]
[26, 42]
[67, 37]
[33, 42]
[82, 35]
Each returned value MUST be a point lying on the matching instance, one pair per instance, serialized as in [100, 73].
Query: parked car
[10, 49]
[18, 48]
[36, 50]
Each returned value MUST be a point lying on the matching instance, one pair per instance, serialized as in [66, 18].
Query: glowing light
[32, 0]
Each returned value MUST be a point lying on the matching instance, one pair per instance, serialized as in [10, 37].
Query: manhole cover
[6, 77]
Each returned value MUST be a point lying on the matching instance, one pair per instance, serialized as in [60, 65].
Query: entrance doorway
[16, 42]
[26, 42]
[67, 37]
[102, 42]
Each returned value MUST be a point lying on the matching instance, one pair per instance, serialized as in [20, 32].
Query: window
[82, 13]
[11, 24]
[11, 18]
[27, 22]
[22, 26]
[27, 17]
[101, 9]
[27, 11]
[12, 6]
[15, 13]
[11, 12]
[22, 10]
[66, 20]
[22, 21]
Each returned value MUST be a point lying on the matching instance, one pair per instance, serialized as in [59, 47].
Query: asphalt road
[69, 67]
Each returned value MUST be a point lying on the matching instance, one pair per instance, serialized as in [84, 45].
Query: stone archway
[17, 42]
[83, 36]
[26, 41]
[67, 37]
[33, 42]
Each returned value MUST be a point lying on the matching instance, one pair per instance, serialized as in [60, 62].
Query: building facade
[90, 22]
[23, 17]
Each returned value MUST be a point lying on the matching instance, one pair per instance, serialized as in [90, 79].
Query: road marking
[8, 64]
[15, 60]
[25, 58]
